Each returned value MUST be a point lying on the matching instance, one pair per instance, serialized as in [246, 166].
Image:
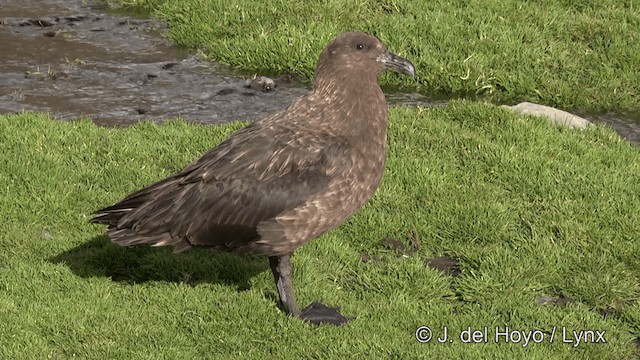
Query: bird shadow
[138, 264]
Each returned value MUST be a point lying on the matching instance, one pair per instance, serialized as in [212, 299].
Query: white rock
[556, 116]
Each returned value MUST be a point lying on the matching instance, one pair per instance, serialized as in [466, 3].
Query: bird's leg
[316, 313]
[282, 270]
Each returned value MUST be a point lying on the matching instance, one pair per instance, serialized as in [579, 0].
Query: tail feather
[111, 215]
[127, 220]
[128, 237]
[152, 215]
[110, 218]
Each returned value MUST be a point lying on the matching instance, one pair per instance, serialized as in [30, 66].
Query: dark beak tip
[398, 64]
[405, 67]
[411, 70]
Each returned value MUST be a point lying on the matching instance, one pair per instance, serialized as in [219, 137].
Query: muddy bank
[71, 59]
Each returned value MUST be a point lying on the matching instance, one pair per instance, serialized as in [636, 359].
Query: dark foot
[318, 313]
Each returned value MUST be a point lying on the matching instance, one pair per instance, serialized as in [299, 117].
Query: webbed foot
[318, 313]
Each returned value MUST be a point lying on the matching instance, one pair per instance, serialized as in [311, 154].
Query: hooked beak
[394, 62]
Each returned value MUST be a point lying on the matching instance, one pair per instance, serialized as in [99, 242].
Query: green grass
[527, 209]
[564, 53]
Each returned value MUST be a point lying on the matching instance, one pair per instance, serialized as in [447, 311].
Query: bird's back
[261, 191]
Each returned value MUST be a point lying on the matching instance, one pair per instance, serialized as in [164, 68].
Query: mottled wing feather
[219, 200]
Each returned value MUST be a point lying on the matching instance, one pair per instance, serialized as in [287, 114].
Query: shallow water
[625, 123]
[72, 59]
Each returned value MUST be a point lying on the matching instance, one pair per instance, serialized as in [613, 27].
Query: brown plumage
[281, 181]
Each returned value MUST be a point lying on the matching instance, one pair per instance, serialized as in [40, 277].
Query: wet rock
[554, 115]
[169, 65]
[261, 83]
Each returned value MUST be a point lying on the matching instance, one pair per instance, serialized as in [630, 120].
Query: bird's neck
[361, 105]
